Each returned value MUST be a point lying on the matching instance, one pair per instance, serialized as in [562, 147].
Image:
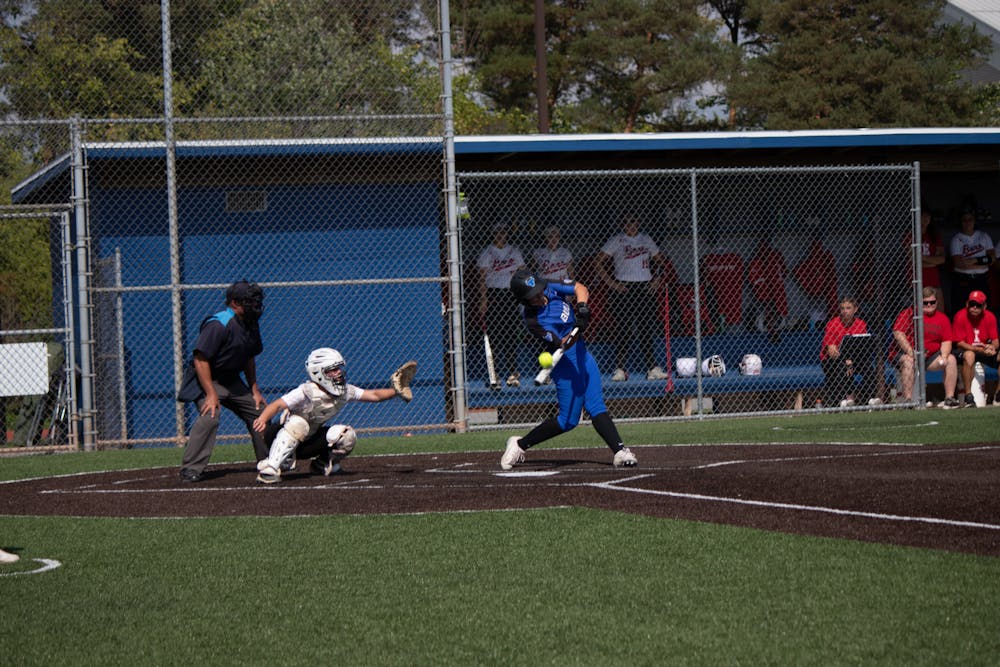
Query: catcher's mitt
[402, 378]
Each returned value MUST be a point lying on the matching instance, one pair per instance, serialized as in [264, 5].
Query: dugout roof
[957, 151]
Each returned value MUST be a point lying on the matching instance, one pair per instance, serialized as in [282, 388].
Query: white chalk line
[47, 565]
[885, 427]
[615, 485]
[912, 452]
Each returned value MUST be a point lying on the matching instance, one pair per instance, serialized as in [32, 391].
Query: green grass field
[562, 586]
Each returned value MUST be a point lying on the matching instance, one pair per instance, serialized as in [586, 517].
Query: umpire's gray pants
[237, 398]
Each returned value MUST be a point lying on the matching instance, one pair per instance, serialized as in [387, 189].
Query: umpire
[227, 344]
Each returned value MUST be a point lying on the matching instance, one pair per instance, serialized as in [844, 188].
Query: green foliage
[25, 274]
[289, 57]
[987, 104]
[25, 264]
[475, 114]
[59, 64]
[840, 64]
[618, 65]
[636, 62]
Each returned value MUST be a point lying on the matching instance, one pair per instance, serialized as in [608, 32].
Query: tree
[309, 57]
[741, 19]
[496, 39]
[638, 61]
[857, 63]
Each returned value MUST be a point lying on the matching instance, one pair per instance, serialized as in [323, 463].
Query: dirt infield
[937, 497]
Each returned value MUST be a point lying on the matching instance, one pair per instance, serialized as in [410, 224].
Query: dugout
[959, 167]
[320, 217]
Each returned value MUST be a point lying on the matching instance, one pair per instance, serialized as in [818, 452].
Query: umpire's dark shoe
[188, 475]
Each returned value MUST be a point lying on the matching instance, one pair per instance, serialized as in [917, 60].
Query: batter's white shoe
[624, 458]
[8, 558]
[512, 455]
[619, 375]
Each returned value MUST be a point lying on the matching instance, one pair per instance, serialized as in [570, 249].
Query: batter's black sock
[607, 430]
[549, 428]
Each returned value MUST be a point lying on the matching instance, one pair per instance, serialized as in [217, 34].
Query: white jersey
[553, 265]
[315, 405]
[975, 245]
[631, 255]
[499, 264]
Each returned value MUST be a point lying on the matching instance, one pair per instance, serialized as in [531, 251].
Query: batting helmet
[526, 285]
[686, 367]
[751, 364]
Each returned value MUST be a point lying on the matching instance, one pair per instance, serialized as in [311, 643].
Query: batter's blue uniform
[576, 377]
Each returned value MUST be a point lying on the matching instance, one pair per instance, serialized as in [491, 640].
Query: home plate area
[942, 497]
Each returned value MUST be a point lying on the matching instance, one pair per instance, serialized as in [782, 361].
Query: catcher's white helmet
[751, 365]
[326, 368]
[686, 367]
[714, 366]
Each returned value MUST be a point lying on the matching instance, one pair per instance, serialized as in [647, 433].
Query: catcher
[306, 409]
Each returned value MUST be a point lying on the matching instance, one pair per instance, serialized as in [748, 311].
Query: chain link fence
[770, 253]
[307, 147]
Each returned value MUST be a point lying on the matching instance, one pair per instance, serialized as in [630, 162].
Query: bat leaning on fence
[543, 375]
[491, 368]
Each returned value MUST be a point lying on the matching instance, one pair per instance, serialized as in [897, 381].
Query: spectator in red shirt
[937, 348]
[766, 275]
[817, 276]
[931, 252]
[840, 365]
[975, 332]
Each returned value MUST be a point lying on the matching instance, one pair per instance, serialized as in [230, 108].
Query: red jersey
[972, 332]
[817, 274]
[723, 275]
[937, 329]
[930, 245]
[835, 332]
[766, 275]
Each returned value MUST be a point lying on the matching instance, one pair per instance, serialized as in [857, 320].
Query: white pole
[175, 263]
[79, 197]
[454, 247]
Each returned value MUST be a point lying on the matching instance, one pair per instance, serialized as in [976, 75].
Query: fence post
[83, 273]
[174, 232]
[455, 304]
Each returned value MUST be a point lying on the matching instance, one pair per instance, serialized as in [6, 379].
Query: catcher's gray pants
[237, 398]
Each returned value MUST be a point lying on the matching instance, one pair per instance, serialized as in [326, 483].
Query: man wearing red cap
[975, 332]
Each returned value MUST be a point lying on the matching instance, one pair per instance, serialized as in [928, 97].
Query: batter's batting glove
[582, 316]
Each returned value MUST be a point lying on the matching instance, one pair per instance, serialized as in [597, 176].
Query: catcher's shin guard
[282, 449]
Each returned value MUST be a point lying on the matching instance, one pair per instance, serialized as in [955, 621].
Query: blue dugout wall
[309, 233]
